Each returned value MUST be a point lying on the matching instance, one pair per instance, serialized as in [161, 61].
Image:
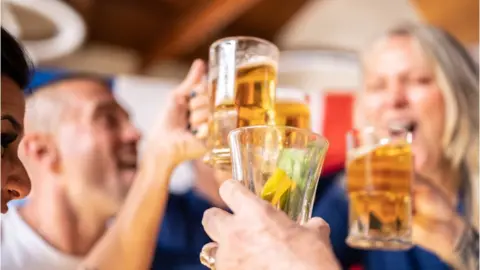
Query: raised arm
[129, 244]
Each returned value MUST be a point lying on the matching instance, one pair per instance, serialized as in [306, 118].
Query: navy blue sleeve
[182, 236]
[331, 204]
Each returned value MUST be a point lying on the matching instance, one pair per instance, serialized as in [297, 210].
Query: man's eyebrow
[16, 125]
[106, 106]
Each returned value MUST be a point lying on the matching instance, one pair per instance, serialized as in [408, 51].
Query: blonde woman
[420, 77]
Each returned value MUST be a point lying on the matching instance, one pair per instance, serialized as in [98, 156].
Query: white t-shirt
[22, 248]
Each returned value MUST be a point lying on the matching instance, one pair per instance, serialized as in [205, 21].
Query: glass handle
[207, 255]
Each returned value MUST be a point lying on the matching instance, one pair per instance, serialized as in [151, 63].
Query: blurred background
[146, 46]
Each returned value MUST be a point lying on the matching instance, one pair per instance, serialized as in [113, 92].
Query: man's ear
[40, 149]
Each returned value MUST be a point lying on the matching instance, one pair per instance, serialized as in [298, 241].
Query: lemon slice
[277, 187]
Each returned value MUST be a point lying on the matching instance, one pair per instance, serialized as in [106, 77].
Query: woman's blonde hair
[457, 76]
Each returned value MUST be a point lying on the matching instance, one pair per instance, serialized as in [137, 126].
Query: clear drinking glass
[379, 171]
[242, 81]
[281, 165]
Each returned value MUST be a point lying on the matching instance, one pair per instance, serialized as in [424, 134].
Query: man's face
[97, 147]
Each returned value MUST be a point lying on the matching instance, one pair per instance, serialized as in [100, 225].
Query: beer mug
[242, 81]
[379, 170]
[291, 108]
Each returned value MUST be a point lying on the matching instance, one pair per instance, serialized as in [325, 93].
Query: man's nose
[131, 133]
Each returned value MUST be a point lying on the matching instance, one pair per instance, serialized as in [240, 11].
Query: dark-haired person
[15, 77]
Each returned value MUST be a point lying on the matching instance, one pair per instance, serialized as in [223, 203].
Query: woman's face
[15, 181]
[400, 89]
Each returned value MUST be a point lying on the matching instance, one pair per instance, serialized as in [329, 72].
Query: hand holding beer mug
[281, 165]
[242, 79]
[379, 183]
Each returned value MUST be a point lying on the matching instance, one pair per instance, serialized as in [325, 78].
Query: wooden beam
[459, 17]
[195, 26]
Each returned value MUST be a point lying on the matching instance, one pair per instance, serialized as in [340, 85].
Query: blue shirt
[182, 236]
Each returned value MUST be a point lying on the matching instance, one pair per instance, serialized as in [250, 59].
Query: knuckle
[326, 229]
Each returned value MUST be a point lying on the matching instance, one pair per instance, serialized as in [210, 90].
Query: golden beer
[379, 183]
[242, 91]
[291, 108]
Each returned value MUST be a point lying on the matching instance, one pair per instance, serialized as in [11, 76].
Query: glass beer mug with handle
[379, 170]
[242, 81]
[291, 108]
[281, 165]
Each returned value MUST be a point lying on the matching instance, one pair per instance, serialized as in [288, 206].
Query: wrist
[156, 155]
[157, 161]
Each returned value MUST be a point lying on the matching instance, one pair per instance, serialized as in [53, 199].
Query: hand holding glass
[379, 172]
[281, 165]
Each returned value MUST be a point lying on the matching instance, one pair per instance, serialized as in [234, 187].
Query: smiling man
[80, 151]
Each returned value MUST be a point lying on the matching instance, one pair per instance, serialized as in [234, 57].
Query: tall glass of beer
[291, 108]
[379, 171]
[242, 81]
[281, 165]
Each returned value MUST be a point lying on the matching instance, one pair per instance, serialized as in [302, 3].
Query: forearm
[130, 242]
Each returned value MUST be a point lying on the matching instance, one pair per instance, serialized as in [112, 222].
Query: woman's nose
[397, 97]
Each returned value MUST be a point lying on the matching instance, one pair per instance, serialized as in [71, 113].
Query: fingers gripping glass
[279, 164]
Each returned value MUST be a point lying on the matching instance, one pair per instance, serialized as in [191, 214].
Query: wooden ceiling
[181, 29]
[184, 29]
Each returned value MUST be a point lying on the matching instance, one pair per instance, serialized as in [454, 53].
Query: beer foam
[257, 60]
[291, 94]
[251, 62]
[361, 151]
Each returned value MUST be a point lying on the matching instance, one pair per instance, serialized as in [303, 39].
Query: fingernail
[194, 131]
[193, 94]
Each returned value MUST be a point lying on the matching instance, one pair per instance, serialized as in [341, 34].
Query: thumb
[194, 76]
